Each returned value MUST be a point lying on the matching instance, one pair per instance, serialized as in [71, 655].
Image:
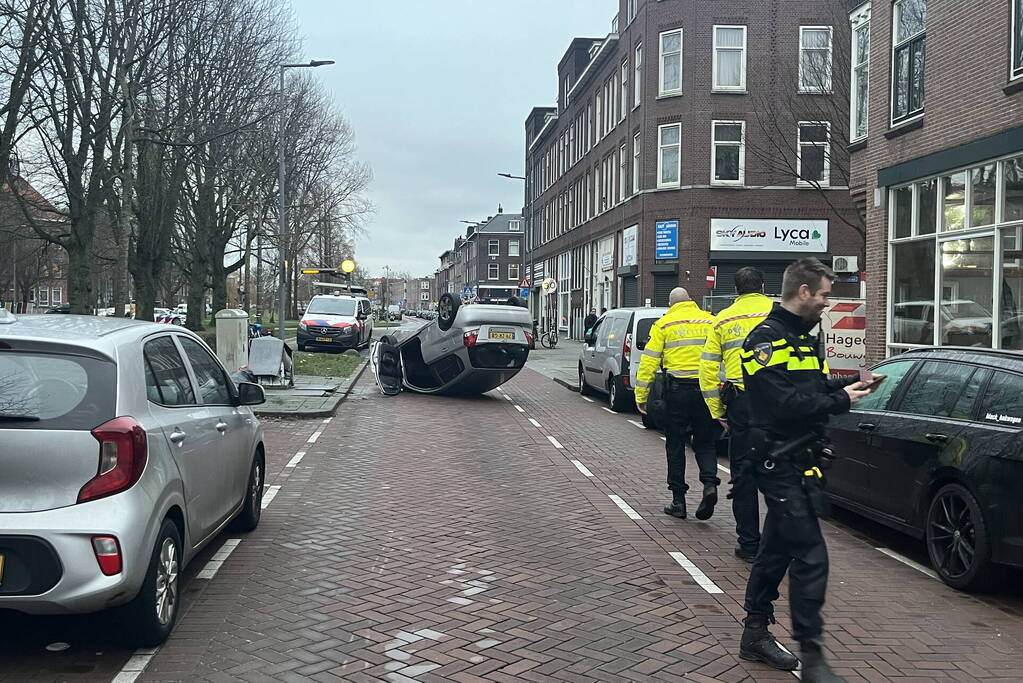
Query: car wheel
[957, 538]
[176, 321]
[252, 507]
[150, 617]
[616, 396]
[584, 388]
[447, 308]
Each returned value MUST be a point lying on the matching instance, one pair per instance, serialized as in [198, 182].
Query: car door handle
[221, 427]
[936, 438]
[177, 437]
[866, 426]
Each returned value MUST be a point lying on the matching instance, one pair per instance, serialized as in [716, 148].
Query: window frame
[637, 144]
[517, 245]
[493, 247]
[514, 277]
[661, 91]
[859, 20]
[713, 153]
[826, 180]
[625, 90]
[515, 226]
[714, 87]
[637, 71]
[823, 89]
[1015, 39]
[660, 155]
[910, 115]
[623, 176]
[192, 384]
[493, 271]
[180, 341]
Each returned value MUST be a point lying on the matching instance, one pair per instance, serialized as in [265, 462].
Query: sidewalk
[561, 363]
[312, 396]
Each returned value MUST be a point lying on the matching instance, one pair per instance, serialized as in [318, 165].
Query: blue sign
[466, 291]
[666, 239]
[524, 293]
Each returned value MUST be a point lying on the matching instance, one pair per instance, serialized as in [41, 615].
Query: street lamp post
[526, 273]
[282, 279]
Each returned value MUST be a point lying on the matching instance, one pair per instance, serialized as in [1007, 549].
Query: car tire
[617, 397]
[176, 321]
[584, 388]
[252, 506]
[150, 617]
[447, 309]
[954, 527]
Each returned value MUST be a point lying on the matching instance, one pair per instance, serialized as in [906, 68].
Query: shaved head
[678, 295]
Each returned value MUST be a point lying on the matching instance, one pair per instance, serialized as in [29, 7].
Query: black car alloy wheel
[957, 539]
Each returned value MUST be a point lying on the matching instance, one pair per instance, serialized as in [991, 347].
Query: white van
[606, 362]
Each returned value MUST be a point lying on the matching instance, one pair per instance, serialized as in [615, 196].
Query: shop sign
[843, 336]
[666, 239]
[759, 234]
[629, 236]
[607, 262]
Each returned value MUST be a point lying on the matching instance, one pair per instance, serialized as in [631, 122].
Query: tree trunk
[81, 292]
[120, 275]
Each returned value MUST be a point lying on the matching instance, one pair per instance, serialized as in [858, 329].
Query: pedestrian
[603, 311]
[728, 402]
[590, 320]
[790, 398]
[676, 342]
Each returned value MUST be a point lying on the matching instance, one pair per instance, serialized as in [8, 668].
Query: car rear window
[1002, 403]
[643, 326]
[55, 391]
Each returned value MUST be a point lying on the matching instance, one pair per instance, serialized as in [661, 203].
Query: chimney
[499, 209]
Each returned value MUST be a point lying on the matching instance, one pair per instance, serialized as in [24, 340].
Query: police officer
[724, 346]
[790, 399]
[676, 341]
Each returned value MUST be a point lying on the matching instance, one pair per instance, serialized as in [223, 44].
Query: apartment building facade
[487, 265]
[941, 176]
[695, 138]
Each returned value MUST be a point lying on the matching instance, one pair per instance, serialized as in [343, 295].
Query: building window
[909, 24]
[589, 127]
[424, 296]
[493, 247]
[670, 73]
[630, 11]
[729, 155]
[669, 155]
[424, 285]
[514, 226]
[815, 59]
[1017, 38]
[729, 59]
[564, 288]
[493, 271]
[637, 85]
[597, 134]
[625, 90]
[58, 295]
[568, 87]
[513, 271]
[623, 177]
[860, 74]
[635, 163]
[813, 161]
[513, 247]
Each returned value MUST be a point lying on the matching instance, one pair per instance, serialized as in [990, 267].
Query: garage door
[630, 292]
[663, 284]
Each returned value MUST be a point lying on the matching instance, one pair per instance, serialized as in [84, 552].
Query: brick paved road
[430, 538]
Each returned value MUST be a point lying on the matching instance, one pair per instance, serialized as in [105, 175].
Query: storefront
[628, 272]
[955, 254]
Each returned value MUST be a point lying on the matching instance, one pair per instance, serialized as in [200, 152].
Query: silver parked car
[124, 449]
[466, 350]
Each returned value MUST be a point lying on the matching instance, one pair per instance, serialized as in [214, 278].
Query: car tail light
[627, 348]
[469, 337]
[626, 380]
[122, 457]
[529, 338]
[108, 554]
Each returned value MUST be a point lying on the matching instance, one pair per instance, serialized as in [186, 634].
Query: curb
[330, 407]
[571, 386]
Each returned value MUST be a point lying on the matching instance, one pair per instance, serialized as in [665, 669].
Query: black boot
[815, 669]
[758, 645]
[707, 503]
[746, 554]
[678, 505]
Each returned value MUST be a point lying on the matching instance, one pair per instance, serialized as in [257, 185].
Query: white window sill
[729, 91]
[812, 91]
[669, 186]
[728, 183]
[812, 186]
[669, 95]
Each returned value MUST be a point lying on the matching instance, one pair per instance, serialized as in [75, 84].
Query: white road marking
[213, 566]
[135, 665]
[582, 468]
[908, 562]
[519, 408]
[535, 423]
[297, 459]
[637, 424]
[270, 494]
[625, 507]
[608, 410]
[590, 400]
[508, 397]
[694, 571]
[724, 469]
[314, 437]
[327, 421]
[554, 441]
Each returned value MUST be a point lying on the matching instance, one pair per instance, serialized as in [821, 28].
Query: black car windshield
[332, 306]
[54, 391]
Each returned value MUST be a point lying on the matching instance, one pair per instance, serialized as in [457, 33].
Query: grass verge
[326, 363]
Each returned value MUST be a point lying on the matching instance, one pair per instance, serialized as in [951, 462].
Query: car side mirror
[250, 394]
[590, 339]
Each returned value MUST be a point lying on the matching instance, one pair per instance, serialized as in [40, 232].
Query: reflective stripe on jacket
[724, 346]
[677, 340]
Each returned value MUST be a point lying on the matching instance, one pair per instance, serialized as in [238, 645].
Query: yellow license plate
[326, 339]
[1, 570]
[500, 334]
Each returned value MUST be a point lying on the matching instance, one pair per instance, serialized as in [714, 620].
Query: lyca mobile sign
[758, 234]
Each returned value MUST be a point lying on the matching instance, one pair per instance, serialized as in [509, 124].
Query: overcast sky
[437, 92]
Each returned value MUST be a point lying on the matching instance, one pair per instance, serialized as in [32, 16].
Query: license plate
[502, 334]
[324, 339]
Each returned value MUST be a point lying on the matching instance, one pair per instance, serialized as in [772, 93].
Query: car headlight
[302, 326]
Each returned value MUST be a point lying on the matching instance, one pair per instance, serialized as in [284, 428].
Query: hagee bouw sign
[759, 234]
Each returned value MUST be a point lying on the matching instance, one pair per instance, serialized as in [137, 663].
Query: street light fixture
[509, 175]
[282, 280]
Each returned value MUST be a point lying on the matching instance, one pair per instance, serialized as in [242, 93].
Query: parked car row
[423, 313]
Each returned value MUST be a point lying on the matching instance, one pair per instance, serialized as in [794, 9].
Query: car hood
[325, 320]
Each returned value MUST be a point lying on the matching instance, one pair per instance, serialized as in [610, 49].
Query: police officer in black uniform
[790, 399]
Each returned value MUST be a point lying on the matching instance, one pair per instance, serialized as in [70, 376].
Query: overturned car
[465, 350]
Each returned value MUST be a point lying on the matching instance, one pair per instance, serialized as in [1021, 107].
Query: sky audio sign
[758, 234]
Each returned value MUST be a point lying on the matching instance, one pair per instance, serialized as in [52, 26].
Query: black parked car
[937, 452]
[60, 308]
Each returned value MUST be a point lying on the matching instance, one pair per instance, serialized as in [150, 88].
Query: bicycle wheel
[545, 340]
[554, 339]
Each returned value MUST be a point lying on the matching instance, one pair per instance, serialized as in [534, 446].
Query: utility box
[232, 338]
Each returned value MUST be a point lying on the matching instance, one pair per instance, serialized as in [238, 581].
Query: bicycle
[549, 339]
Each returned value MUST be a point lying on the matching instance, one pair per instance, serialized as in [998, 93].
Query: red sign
[712, 277]
[524, 284]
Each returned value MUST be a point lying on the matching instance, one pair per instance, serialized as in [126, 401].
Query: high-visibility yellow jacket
[724, 346]
[677, 339]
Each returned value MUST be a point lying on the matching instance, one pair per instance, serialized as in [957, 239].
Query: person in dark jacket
[590, 321]
[790, 399]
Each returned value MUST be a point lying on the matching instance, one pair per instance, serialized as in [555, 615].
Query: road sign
[666, 239]
[524, 284]
[712, 277]
[524, 293]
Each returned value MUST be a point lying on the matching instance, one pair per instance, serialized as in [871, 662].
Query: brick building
[942, 179]
[488, 262]
[694, 134]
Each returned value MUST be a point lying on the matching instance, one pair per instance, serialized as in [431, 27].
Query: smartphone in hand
[869, 383]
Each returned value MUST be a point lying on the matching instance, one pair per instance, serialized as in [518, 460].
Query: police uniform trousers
[791, 541]
[745, 501]
[687, 416]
